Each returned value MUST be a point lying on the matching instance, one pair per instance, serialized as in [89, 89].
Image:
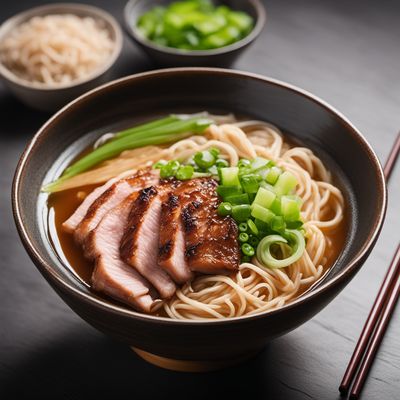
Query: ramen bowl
[173, 57]
[183, 344]
[50, 98]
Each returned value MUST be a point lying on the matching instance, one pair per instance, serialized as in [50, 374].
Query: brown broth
[63, 205]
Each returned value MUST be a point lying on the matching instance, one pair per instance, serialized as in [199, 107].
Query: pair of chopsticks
[380, 314]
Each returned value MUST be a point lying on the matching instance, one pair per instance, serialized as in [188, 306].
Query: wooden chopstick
[379, 331]
[376, 310]
[391, 160]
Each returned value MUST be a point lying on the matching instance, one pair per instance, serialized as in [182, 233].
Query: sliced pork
[171, 254]
[74, 220]
[139, 245]
[211, 240]
[111, 275]
[114, 195]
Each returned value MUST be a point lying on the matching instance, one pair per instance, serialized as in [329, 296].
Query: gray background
[345, 52]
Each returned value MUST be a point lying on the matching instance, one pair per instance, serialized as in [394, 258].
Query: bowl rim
[73, 8]
[49, 273]
[255, 32]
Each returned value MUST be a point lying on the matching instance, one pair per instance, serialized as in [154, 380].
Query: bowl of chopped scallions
[194, 32]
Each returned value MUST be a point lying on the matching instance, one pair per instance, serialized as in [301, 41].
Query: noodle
[254, 288]
[56, 49]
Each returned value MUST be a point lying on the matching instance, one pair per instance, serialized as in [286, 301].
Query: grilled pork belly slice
[111, 275]
[139, 245]
[74, 220]
[211, 241]
[111, 198]
[171, 256]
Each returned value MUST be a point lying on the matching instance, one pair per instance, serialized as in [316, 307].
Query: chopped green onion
[170, 169]
[261, 226]
[238, 199]
[261, 213]
[250, 183]
[214, 151]
[241, 20]
[254, 240]
[290, 208]
[225, 191]
[205, 159]
[241, 213]
[224, 209]
[213, 170]
[194, 25]
[243, 227]
[264, 198]
[297, 245]
[252, 227]
[230, 176]
[273, 175]
[221, 163]
[184, 172]
[243, 237]
[294, 224]
[248, 250]
[285, 184]
[259, 162]
[278, 224]
[276, 206]
[243, 163]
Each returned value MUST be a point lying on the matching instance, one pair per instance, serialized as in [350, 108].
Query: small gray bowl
[46, 98]
[172, 57]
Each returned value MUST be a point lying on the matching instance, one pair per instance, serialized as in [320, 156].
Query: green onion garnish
[205, 159]
[243, 237]
[297, 246]
[184, 172]
[224, 209]
[243, 227]
[161, 131]
[248, 249]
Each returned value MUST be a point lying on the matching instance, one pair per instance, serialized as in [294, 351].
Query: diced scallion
[241, 212]
[224, 209]
[230, 176]
[261, 213]
[264, 198]
[285, 184]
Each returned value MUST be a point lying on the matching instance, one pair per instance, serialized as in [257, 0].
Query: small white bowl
[52, 98]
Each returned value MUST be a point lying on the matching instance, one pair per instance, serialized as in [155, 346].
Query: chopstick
[380, 313]
[391, 160]
[379, 332]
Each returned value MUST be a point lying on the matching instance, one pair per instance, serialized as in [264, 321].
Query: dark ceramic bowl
[118, 104]
[171, 57]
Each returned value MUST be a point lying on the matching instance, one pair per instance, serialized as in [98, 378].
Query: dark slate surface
[345, 52]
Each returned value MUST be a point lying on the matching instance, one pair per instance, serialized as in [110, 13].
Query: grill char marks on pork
[139, 244]
[171, 254]
[211, 240]
[111, 275]
[109, 199]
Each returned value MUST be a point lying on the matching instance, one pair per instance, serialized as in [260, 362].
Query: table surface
[345, 52]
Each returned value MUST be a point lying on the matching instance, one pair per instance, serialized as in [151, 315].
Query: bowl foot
[192, 365]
